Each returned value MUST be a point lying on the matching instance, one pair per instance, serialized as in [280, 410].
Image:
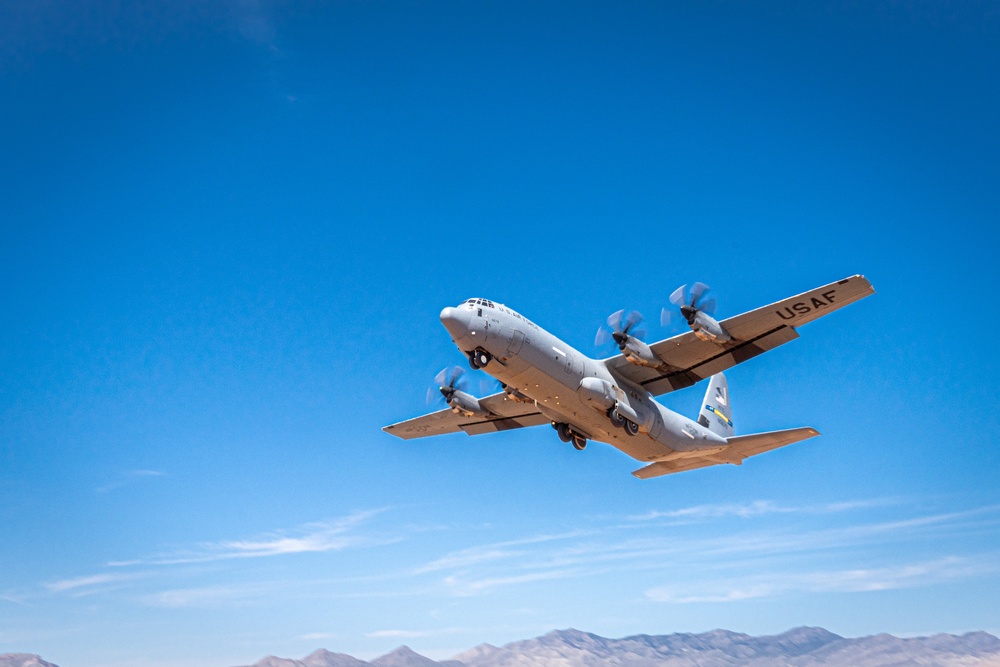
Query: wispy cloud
[463, 586]
[907, 575]
[205, 596]
[13, 598]
[680, 550]
[396, 634]
[317, 537]
[758, 508]
[89, 584]
[128, 478]
[491, 552]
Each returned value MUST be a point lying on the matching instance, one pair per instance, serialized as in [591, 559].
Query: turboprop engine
[466, 404]
[449, 380]
[697, 313]
[637, 352]
[623, 330]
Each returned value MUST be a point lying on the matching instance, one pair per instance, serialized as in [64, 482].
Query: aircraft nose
[456, 321]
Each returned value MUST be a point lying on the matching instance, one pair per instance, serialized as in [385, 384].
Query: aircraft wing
[687, 359]
[740, 447]
[505, 414]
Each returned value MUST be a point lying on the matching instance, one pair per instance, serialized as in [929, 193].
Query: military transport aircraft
[610, 400]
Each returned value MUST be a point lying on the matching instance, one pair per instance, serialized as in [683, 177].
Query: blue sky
[228, 231]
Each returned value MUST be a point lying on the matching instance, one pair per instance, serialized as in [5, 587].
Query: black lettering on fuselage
[800, 308]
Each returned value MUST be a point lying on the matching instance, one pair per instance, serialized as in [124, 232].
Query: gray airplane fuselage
[570, 388]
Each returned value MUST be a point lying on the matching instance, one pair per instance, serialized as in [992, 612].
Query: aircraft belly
[641, 447]
[549, 372]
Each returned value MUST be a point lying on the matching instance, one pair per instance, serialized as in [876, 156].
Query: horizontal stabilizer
[743, 446]
[740, 447]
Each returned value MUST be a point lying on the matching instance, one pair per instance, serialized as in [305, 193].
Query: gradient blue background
[228, 229]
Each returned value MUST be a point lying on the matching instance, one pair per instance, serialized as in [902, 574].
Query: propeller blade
[615, 320]
[603, 336]
[432, 395]
[633, 318]
[638, 333]
[697, 291]
[441, 377]
[709, 307]
[666, 317]
[456, 378]
[677, 297]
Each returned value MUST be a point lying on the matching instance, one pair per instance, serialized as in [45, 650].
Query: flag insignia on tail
[718, 413]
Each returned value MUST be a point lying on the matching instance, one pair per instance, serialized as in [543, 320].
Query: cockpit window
[477, 302]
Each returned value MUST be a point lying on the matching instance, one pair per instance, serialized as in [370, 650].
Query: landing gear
[563, 431]
[618, 421]
[566, 434]
[480, 358]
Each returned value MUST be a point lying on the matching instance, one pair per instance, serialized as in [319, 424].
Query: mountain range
[800, 647]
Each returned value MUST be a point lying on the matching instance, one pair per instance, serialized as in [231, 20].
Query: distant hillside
[22, 660]
[801, 647]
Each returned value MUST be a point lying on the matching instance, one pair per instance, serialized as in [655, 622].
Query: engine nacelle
[639, 353]
[706, 328]
[599, 394]
[466, 404]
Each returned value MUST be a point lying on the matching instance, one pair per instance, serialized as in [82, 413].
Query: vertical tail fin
[716, 411]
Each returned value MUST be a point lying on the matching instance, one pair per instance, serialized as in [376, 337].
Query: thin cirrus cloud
[396, 634]
[907, 575]
[759, 508]
[615, 547]
[464, 586]
[206, 596]
[86, 585]
[491, 552]
[318, 537]
[130, 477]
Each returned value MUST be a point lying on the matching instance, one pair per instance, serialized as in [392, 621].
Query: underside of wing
[740, 447]
[688, 359]
[801, 309]
[669, 467]
[502, 414]
[744, 446]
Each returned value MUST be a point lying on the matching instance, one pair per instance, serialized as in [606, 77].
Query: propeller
[620, 328]
[447, 381]
[690, 304]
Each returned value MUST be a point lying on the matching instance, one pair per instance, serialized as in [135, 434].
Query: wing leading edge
[688, 359]
[504, 414]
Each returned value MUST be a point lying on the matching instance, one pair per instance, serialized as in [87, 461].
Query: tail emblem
[720, 395]
[718, 413]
